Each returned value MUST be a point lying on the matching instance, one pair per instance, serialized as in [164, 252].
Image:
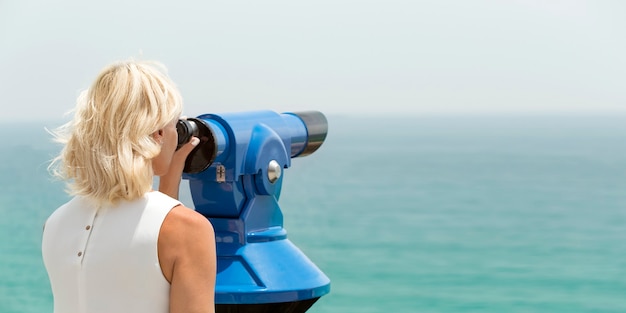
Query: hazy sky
[372, 57]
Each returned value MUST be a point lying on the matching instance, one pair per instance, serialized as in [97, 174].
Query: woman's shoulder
[186, 216]
[73, 207]
[185, 235]
[183, 224]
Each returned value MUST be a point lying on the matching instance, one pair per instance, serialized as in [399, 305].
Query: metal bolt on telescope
[235, 178]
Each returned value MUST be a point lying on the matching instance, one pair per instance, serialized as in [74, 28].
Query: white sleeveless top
[106, 260]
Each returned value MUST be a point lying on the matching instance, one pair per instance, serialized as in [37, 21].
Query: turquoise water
[423, 214]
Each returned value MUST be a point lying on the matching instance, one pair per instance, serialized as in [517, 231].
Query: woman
[117, 245]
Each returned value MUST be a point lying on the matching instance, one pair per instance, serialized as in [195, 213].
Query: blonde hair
[109, 145]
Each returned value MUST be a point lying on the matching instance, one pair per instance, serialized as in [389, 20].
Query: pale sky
[338, 57]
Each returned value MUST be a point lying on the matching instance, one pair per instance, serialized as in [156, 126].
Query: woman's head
[117, 131]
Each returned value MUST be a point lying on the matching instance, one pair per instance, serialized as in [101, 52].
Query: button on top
[80, 253]
[88, 227]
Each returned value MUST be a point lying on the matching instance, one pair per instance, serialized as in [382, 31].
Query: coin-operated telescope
[235, 175]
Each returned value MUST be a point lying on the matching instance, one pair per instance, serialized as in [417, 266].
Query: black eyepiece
[204, 153]
[186, 129]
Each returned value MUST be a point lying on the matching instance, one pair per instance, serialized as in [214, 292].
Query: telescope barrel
[305, 133]
[316, 127]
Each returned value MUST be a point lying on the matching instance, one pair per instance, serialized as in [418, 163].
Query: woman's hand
[170, 182]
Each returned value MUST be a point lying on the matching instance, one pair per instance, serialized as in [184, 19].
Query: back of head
[109, 144]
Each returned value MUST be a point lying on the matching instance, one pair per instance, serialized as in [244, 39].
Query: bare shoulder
[184, 233]
[184, 227]
[184, 220]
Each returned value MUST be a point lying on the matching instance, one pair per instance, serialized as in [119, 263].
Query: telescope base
[282, 307]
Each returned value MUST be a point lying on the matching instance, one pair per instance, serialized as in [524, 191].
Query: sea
[423, 213]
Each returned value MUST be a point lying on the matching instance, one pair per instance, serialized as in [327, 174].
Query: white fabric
[106, 260]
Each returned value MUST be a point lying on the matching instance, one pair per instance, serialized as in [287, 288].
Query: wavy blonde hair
[108, 146]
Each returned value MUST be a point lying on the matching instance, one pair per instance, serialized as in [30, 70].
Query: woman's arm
[169, 183]
[186, 246]
[188, 260]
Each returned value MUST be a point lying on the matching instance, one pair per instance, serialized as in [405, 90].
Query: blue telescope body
[235, 176]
